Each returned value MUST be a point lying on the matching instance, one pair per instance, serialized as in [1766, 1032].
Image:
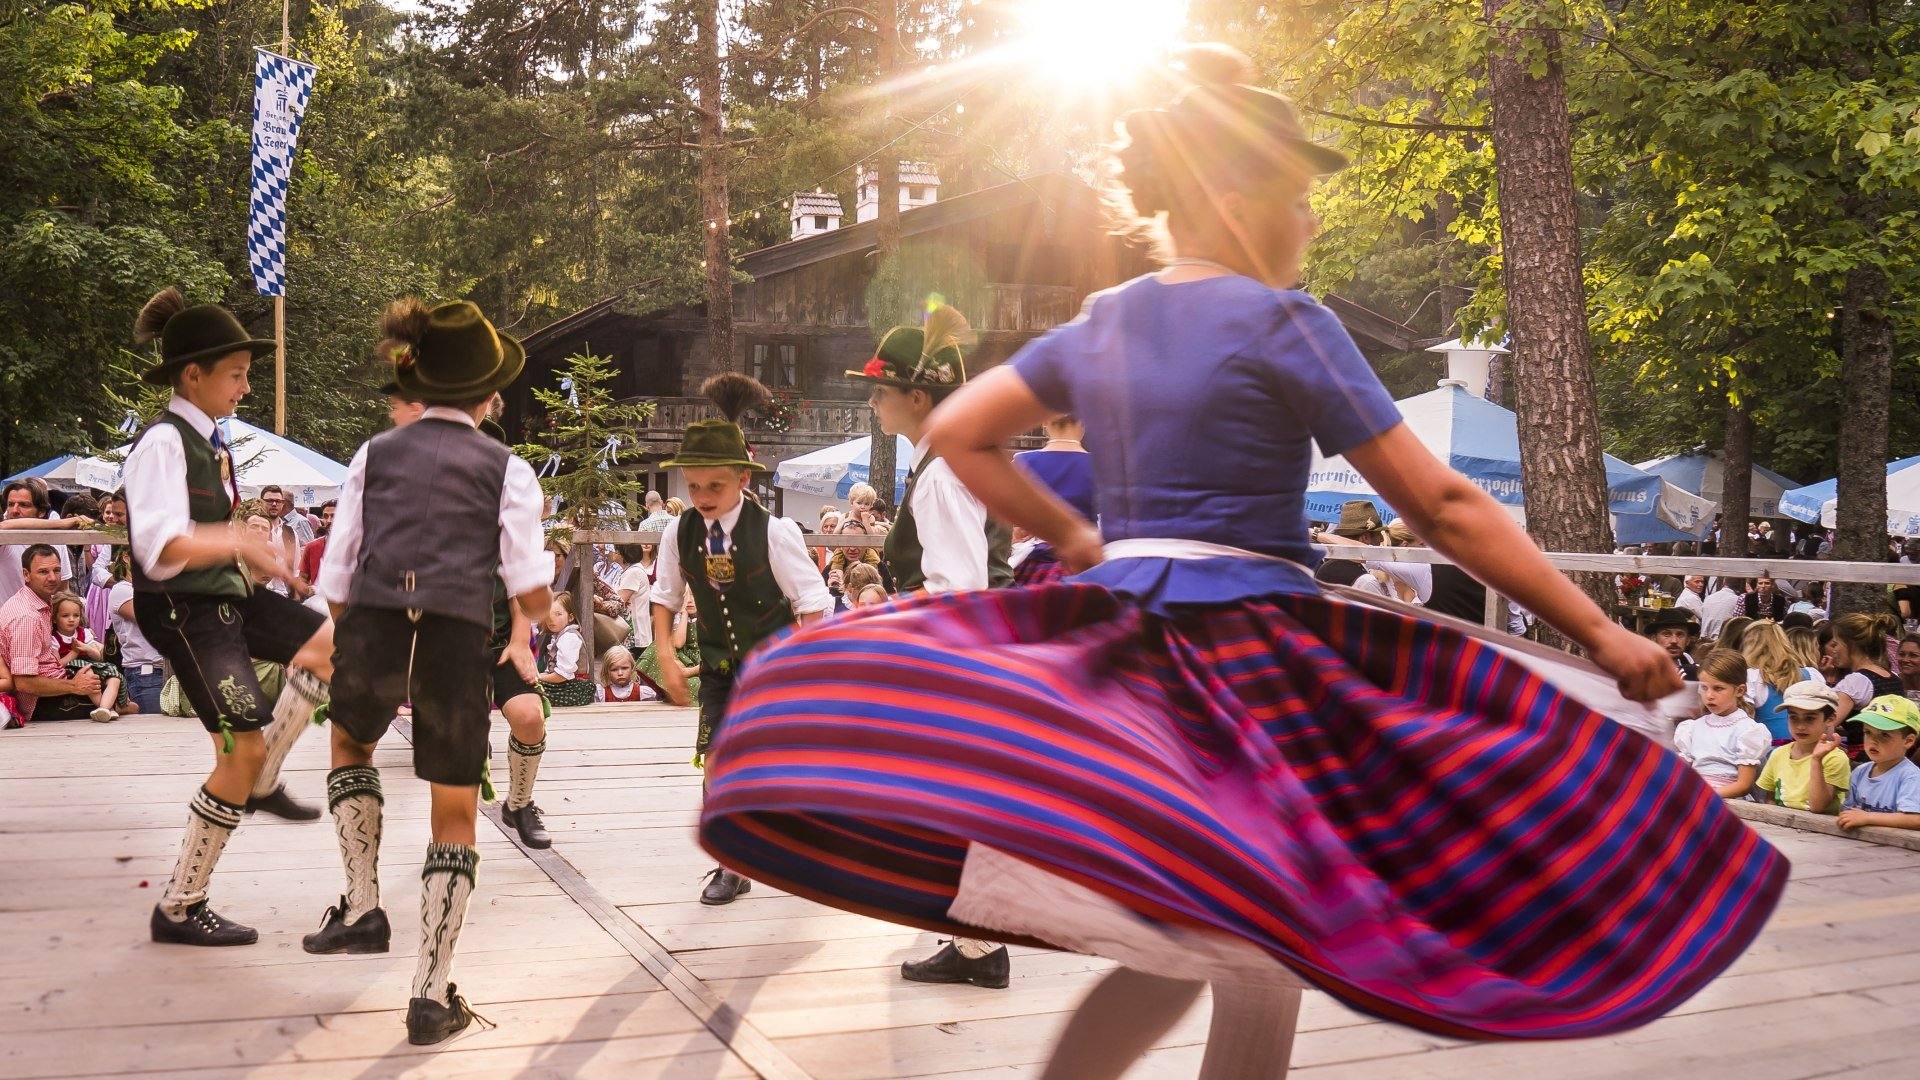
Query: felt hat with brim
[1256, 118]
[1890, 712]
[201, 332]
[1672, 618]
[459, 357]
[1811, 695]
[714, 443]
[924, 357]
[1358, 518]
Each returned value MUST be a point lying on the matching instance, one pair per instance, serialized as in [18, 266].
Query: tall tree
[886, 237]
[713, 187]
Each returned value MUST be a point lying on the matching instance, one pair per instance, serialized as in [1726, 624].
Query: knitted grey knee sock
[210, 822]
[523, 764]
[353, 794]
[446, 884]
[292, 712]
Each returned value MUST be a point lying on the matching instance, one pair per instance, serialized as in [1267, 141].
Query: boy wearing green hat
[1886, 790]
[749, 572]
[942, 540]
[409, 574]
[193, 599]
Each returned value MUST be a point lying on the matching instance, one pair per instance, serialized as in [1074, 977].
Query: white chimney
[919, 186]
[814, 212]
[1468, 363]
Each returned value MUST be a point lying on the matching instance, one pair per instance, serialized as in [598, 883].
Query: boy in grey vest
[431, 513]
[749, 572]
[193, 601]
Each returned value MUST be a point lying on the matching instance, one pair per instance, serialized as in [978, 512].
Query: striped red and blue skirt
[1040, 567]
[1397, 811]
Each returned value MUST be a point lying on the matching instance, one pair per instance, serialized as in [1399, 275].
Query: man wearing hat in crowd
[1359, 524]
[942, 540]
[409, 575]
[1675, 630]
[749, 572]
[194, 602]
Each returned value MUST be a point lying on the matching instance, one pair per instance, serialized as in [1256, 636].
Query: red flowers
[876, 368]
[403, 356]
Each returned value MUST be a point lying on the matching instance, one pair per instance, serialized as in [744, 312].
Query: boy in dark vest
[749, 571]
[942, 540]
[193, 600]
[431, 513]
[517, 694]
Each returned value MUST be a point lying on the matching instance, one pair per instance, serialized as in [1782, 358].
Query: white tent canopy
[1704, 473]
[259, 458]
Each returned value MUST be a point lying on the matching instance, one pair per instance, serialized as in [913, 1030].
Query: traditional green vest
[750, 610]
[904, 551]
[208, 503]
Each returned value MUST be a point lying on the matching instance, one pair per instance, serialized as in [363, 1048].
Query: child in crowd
[1726, 746]
[863, 586]
[79, 648]
[1772, 667]
[1886, 790]
[618, 682]
[1812, 772]
[559, 657]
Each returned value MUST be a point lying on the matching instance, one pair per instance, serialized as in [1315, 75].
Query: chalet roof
[817, 202]
[1053, 188]
[911, 172]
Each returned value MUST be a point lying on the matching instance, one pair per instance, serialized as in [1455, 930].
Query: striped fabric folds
[1040, 567]
[1393, 809]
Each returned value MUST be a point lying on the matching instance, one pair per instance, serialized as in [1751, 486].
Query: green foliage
[582, 436]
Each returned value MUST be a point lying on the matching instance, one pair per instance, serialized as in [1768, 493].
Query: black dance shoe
[948, 966]
[281, 805]
[526, 821]
[725, 887]
[368, 935]
[429, 1022]
[200, 927]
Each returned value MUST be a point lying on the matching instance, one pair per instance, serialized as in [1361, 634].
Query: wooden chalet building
[1017, 259]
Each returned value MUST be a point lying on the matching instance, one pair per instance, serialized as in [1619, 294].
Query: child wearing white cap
[1886, 790]
[1811, 772]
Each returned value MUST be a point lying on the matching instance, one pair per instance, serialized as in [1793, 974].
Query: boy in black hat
[942, 539]
[1675, 630]
[431, 513]
[194, 602]
[749, 571]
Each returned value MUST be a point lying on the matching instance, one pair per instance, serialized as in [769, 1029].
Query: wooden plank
[1824, 824]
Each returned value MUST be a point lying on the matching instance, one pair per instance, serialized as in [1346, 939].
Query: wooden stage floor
[595, 958]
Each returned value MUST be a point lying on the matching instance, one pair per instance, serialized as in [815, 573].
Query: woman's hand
[1643, 670]
[1084, 551]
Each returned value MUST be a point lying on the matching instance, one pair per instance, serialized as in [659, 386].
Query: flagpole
[280, 301]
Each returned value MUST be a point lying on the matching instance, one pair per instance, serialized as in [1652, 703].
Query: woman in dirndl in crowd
[1063, 467]
[1191, 758]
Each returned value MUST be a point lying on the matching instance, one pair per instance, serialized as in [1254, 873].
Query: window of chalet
[777, 361]
[820, 222]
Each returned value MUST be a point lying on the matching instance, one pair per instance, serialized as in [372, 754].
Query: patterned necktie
[719, 561]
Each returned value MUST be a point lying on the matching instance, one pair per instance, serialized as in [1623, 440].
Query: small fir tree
[585, 437]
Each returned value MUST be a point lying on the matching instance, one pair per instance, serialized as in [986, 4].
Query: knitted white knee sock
[446, 884]
[292, 712]
[523, 764]
[353, 794]
[210, 822]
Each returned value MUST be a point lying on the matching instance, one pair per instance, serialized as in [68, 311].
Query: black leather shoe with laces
[429, 1021]
[200, 927]
[948, 966]
[724, 887]
[527, 822]
[281, 805]
[369, 934]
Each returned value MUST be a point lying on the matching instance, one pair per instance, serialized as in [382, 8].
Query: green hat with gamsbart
[446, 354]
[1890, 712]
[186, 334]
[721, 443]
[921, 357]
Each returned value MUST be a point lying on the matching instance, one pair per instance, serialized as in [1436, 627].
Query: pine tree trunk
[713, 192]
[881, 464]
[1561, 463]
[1736, 484]
[1866, 379]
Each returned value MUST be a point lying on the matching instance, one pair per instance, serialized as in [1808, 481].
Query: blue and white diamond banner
[281, 87]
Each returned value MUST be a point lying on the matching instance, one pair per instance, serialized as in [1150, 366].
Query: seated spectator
[676, 506]
[1907, 660]
[861, 581]
[1732, 633]
[140, 663]
[1725, 746]
[1726, 600]
[1359, 524]
[657, 518]
[28, 507]
[844, 557]
[685, 644]
[1764, 601]
[636, 581]
[1771, 669]
[559, 657]
[1811, 772]
[80, 649]
[41, 683]
[1692, 595]
[1806, 649]
[1886, 790]
[619, 681]
[1676, 630]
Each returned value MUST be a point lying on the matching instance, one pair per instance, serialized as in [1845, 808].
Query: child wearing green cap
[1811, 772]
[1886, 790]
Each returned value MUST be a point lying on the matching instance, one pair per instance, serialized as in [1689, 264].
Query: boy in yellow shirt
[1811, 772]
